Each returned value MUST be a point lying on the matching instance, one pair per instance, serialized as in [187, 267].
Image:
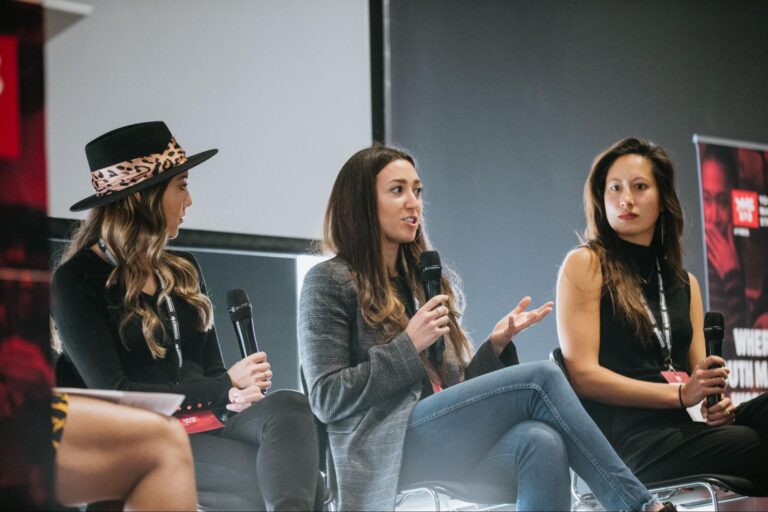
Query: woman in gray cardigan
[395, 416]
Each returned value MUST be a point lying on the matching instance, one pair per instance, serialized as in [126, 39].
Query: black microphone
[240, 312]
[430, 271]
[714, 329]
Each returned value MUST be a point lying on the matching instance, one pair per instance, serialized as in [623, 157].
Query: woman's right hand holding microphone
[429, 323]
[250, 378]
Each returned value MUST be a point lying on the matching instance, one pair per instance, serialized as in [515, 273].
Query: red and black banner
[26, 471]
[734, 197]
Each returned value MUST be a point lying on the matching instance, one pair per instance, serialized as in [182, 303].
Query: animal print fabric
[126, 174]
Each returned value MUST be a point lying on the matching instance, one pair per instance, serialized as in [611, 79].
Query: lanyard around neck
[172, 315]
[664, 338]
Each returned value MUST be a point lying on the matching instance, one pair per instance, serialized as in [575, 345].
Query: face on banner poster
[734, 193]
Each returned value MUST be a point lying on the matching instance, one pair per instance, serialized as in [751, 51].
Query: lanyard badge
[663, 334]
[168, 302]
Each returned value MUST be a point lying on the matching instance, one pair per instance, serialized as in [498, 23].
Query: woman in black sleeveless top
[628, 311]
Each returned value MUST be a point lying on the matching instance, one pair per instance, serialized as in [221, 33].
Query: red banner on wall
[734, 192]
[26, 451]
[9, 98]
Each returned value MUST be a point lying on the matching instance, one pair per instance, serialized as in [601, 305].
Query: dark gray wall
[506, 103]
[270, 283]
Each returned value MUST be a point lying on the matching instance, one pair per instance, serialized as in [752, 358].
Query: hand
[241, 399]
[721, 251]
[250, 370]
[722, 413]
[705, 381]
[429, 323]
[516, 321]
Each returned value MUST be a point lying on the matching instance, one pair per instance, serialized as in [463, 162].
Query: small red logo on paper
[745, 212]
[9, 98]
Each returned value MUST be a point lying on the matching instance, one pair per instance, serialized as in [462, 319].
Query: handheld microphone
[240, 312]
[714, 329]
[430, 271]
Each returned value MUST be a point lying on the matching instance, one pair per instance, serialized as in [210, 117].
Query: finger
[257, 357]
[511, 325]
[264, 384]
[717, 422]
[524, 303]
[439, 312]
[719, 374]
[719, 408]
[252, 394]
[434, 302]
[441, 321]
[722, 418]
[238, 407]
[260, 368]
[710, 360]
[714, 382]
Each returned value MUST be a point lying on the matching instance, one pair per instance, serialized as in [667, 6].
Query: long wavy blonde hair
[134, 230]
[352, 231]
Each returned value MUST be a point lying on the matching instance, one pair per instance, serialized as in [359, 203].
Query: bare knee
[175, 442]
[164, 442]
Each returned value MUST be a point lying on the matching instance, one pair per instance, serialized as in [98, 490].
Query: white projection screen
[281, 87]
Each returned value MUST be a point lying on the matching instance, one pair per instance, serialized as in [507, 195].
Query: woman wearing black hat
[133, 315]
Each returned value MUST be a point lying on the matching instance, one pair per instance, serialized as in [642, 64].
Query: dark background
[506, 103]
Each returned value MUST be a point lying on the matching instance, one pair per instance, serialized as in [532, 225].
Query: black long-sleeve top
[88, 315]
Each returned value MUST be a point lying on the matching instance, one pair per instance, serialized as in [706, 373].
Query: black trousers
[736, 450]
[265, 458]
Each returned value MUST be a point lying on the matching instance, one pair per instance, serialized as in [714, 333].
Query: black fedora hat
[133, 158]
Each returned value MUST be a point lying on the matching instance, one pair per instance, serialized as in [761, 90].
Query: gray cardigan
[363, 386]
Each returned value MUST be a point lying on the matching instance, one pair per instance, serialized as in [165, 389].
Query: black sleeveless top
[638, 434]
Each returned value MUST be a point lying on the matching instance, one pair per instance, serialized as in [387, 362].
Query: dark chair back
[556, 356]
[322, 432]
[329, 497]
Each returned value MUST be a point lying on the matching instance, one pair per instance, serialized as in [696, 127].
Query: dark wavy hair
[352, 231]
[620, 278]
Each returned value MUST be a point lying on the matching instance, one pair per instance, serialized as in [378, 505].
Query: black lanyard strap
[172, 315]
[664, 338]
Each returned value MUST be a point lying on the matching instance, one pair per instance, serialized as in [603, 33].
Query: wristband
[680, 396]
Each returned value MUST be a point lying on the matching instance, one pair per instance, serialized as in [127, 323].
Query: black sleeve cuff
[508, 356]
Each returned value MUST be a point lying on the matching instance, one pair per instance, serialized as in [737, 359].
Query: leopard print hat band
[126, 174]
[133, 158]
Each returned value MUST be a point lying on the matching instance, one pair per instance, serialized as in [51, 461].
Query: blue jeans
[517, 430]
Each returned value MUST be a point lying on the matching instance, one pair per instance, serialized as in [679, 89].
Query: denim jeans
[517, 429]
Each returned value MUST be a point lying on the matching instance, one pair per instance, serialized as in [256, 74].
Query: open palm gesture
[518, 320]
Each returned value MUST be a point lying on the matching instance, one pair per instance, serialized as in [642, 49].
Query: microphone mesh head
[429, 266]
[429, 259]
[714, 319]
[238, 305]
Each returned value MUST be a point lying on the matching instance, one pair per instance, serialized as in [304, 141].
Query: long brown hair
[352, 231]
[134, 230]
[620, 280]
